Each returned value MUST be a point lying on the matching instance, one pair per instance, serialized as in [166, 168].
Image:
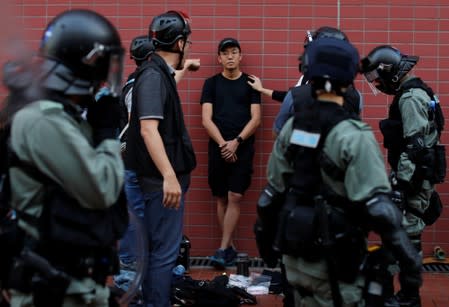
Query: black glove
[103, 115]
[399, 187]
[398, 198]
[269, 205]
[264, 241]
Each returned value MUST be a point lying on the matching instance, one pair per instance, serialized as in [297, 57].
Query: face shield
[370, 77]
[115, 74]
[109, 62]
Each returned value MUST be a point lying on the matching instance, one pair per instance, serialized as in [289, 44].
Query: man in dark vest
[159, 149]
[333, 197]
[411, 135]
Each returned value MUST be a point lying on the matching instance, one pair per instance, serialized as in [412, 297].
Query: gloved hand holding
[103, 115]
[398, 194]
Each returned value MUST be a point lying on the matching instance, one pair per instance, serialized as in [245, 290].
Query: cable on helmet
[322, 32]
[331, 65]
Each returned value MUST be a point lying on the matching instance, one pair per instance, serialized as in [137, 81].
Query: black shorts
[227, 177]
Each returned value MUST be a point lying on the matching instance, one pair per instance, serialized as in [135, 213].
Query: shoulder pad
[47, 106]
[414, 91]
[360, 125]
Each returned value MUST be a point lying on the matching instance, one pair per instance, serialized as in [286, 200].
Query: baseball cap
[228, 42]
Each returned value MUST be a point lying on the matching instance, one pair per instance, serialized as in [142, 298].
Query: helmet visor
[372, 75]
[115, 73]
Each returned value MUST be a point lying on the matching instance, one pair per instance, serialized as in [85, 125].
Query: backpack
[11, 236]
[124, 115]
[433, 211]
[206, 293]
[19, 79]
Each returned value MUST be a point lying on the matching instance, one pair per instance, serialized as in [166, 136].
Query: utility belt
[46, 273]
[300, 235]
[81, 262]
[431, 164]
[377, 270]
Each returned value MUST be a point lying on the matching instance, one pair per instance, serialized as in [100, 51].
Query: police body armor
[299, 225]
[74, 242]
[431, 162]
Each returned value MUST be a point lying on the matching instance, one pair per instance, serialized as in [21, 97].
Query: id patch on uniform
[304, 138]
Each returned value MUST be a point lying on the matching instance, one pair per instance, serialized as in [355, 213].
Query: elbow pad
[269, 203]
[383, 214]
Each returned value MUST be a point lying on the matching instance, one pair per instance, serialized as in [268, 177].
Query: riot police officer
[66, 171]
[353, 98]
[411, 135]
[333, 197]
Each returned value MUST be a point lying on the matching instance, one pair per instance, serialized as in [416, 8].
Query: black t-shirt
[231, 100]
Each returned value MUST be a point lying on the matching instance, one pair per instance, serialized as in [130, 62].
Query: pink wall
[271, 33]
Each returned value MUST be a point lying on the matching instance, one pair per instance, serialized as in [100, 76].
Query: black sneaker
[218, 259]
[401, 300]
[230, 256]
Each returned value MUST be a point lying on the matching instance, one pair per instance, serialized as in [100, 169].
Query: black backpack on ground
[187, 291]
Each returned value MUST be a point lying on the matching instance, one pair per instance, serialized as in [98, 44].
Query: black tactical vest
[392, 127]
[315, 118]
[303, 94]
[172, 129]
[302, 224]
[64, 221]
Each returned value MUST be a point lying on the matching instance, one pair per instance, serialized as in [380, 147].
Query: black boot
[404, 300]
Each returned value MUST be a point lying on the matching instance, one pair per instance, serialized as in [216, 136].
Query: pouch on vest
[440, 163]
[297, 232]
[65, 221]
[348, 244]
[392, 133]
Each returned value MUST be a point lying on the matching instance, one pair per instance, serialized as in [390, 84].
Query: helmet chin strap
[181, 54]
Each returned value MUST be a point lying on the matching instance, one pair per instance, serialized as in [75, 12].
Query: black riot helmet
[169, 27]
[81, 51]
[140, 49]
[387, 66]
[331, 64]
[322, 32]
